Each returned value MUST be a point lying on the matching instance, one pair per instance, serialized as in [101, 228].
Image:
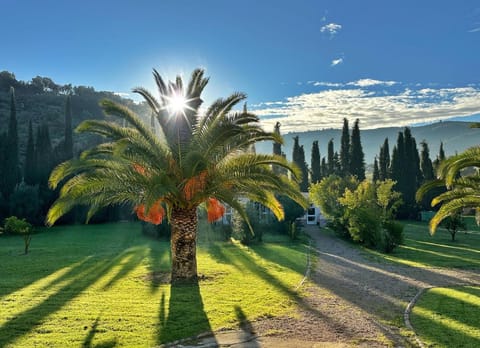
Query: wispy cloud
[474, 30]
[371, 82]
[326, 109]
[331, 28]
[335, 62]
[326, 84]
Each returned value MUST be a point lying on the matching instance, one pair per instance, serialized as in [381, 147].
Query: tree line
[405, 165]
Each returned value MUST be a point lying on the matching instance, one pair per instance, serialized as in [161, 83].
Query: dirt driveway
[352, 300]
[348, 301]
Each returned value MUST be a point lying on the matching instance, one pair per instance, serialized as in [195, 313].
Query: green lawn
[420, 249]
[449, 317]
[103, 286]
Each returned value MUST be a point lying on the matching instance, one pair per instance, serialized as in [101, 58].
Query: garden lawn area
[448, 317]
[105, 285]
[420, 249]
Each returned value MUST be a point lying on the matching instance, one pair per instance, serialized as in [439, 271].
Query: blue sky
[306, 64]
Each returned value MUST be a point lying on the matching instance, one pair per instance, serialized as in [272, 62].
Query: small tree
[453, 223]
[14, 225]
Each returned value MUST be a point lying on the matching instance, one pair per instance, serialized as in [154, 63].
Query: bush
[392, 236]
[14, 225]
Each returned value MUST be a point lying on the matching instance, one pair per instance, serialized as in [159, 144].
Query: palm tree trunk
[183, 244]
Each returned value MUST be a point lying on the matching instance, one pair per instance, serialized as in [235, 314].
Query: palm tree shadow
[87, 342]
[186, 315]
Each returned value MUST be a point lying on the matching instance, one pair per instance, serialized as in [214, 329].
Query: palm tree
[188, 161]
[461, 191]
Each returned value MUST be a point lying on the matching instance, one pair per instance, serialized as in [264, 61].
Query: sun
[177, 104]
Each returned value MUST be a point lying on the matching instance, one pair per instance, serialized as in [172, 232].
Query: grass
[101, 286]
[449, 317]
[420, 249]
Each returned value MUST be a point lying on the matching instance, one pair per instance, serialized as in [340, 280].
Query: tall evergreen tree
[12, 170]
[324, 167]
[426, 163]
[330, 160]
[315, 163]
[412, 178]
[298, 157]
[277, 147]
[357, 157]
[68, 149]
[30, 163]
[441, 156]
[345, 149]
[397, 162]
[376, 171]
[384, 161]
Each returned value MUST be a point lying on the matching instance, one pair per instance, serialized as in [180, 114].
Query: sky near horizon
[305, 64]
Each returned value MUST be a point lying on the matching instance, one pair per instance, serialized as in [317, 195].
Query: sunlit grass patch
[104, 285]
[420, 249]
[448, 317]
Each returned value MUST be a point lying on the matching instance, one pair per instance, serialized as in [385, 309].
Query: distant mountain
[456, 137]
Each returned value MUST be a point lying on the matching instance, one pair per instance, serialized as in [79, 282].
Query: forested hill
[456, 137]
[43, 101]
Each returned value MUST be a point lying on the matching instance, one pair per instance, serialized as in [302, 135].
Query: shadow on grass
[87, 342]
[186, 316]
[446, 321]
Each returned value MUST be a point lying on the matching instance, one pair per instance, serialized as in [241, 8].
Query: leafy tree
[357, 157]
[376, 171]
[30, 162]
[11, 176]
[384, 161]
[345, 160]
[315, 163]
[326, 193]
[14, 225]
[453, 223]
[197, 160]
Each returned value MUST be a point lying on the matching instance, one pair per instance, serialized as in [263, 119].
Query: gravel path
[352, 300]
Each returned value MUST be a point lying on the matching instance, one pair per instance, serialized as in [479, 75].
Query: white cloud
[336, 61]
[326, 109]
[326, 84]
[371, 82]
[123, 94]
[474, 30]
[331, 28]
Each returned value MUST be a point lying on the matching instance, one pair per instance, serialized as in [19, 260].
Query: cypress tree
[345, 149]
[330, 160]
[30, 165]
[315, 163]
[357, 157]
[441, 156]
[12, 172]
[376, 171]
[277, 150]
[384, 161]
[324, 168]
[303, 166]
[337, 166]
[412, 177]
[68, 149]
[298, 158]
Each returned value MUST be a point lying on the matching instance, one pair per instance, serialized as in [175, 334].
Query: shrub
[14, 225]
[392, 236]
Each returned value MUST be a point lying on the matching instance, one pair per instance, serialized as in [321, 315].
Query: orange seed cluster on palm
[155, 214]
[215, 210]
[194, 185]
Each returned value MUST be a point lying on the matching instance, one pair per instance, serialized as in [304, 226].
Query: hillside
[456, 137]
